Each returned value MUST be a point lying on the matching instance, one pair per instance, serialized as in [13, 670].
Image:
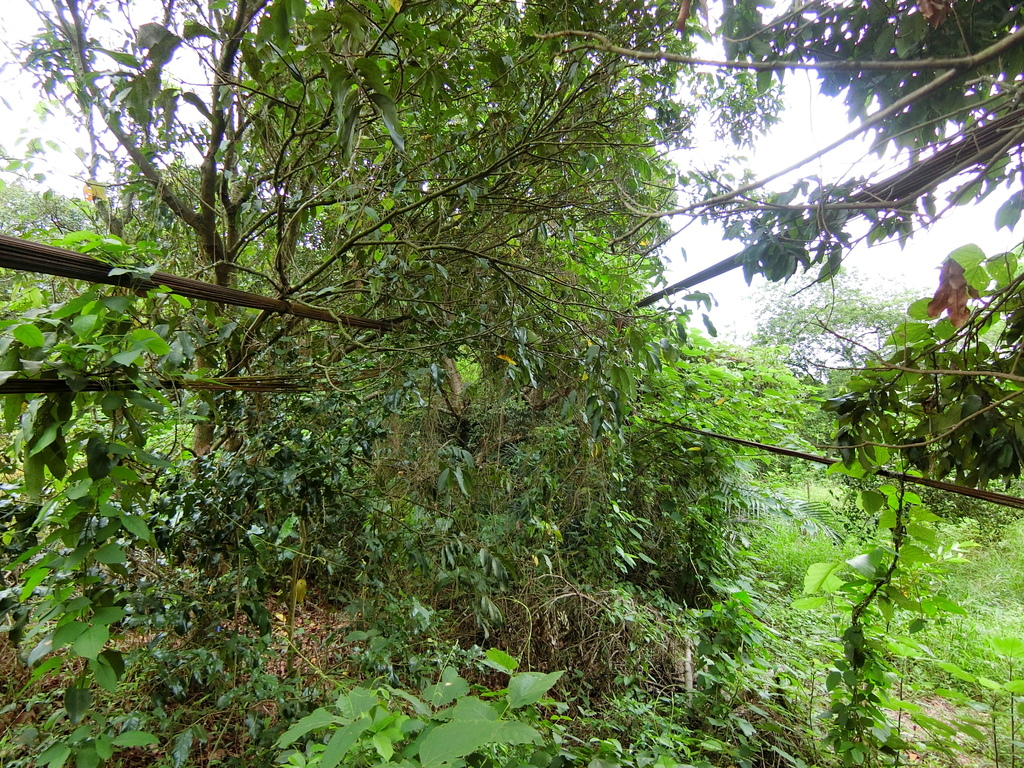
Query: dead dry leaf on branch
[934, 11]
[952, 294]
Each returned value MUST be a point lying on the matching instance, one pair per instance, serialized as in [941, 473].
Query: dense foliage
[239, 537]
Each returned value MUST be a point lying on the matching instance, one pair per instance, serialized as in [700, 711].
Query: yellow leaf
[299, 590]
[94, 191]
[719, 401]
[280, 617]
[396, 5]
[507, 359]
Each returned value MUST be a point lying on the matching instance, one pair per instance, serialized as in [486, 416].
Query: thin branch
[602, 44]
[976, 493]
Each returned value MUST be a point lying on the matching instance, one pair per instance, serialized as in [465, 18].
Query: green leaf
[919, 310]
[182, 748]
[128, 357]
[135, 525]
[31, 579]
[444, 480]
[501, 661]
[356, 702]
[821, 577]
[104, 746]
[454, 740]
[45, 439]
[116, 661]
[110, 554]
[971, 257]
[370, 71]
[103, 673]
[108, 615]
[194, 29]
[887, 520]
[42, 648]
[99, 459]
[1014, 686]
[342, 741]
[135, 739]
[867, 564]
[91, 642]
[1010, 647]
[160, 42]
[390, 115]
[29, 335]
[1009, 212]
[383, 745]
[76, 702]
[871, 501]
[449, 688]
[55, 755]
[470, 708]
[67, 633]
[528, 687]
[198, 103]
[315, 720]
[956, 671]
[33, 471]
[809, 603]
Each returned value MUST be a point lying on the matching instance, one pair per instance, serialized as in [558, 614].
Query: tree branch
[601, 43]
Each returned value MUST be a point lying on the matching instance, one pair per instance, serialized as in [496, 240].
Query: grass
[989, 586]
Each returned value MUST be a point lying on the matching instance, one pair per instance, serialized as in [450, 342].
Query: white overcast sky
[810, 121]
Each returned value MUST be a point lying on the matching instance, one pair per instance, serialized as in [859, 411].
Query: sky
[810, 121]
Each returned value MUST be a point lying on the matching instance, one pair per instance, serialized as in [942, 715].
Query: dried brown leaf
[934, 11]
[952, 294]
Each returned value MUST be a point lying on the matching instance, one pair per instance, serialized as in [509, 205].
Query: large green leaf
[135, 739]
[447, 689]
[501, 661]
[528, 687]
[342, 741]
[29, 335]
[356, 702]
[1010, 647]
[76, 702]
[91, 641]
[103, 673]
[68, 632]
[457, 739]
[315, 720]
[821, 577]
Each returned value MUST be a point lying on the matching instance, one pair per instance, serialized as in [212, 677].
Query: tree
[465, 184]
[934, 80]
[830, 326]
